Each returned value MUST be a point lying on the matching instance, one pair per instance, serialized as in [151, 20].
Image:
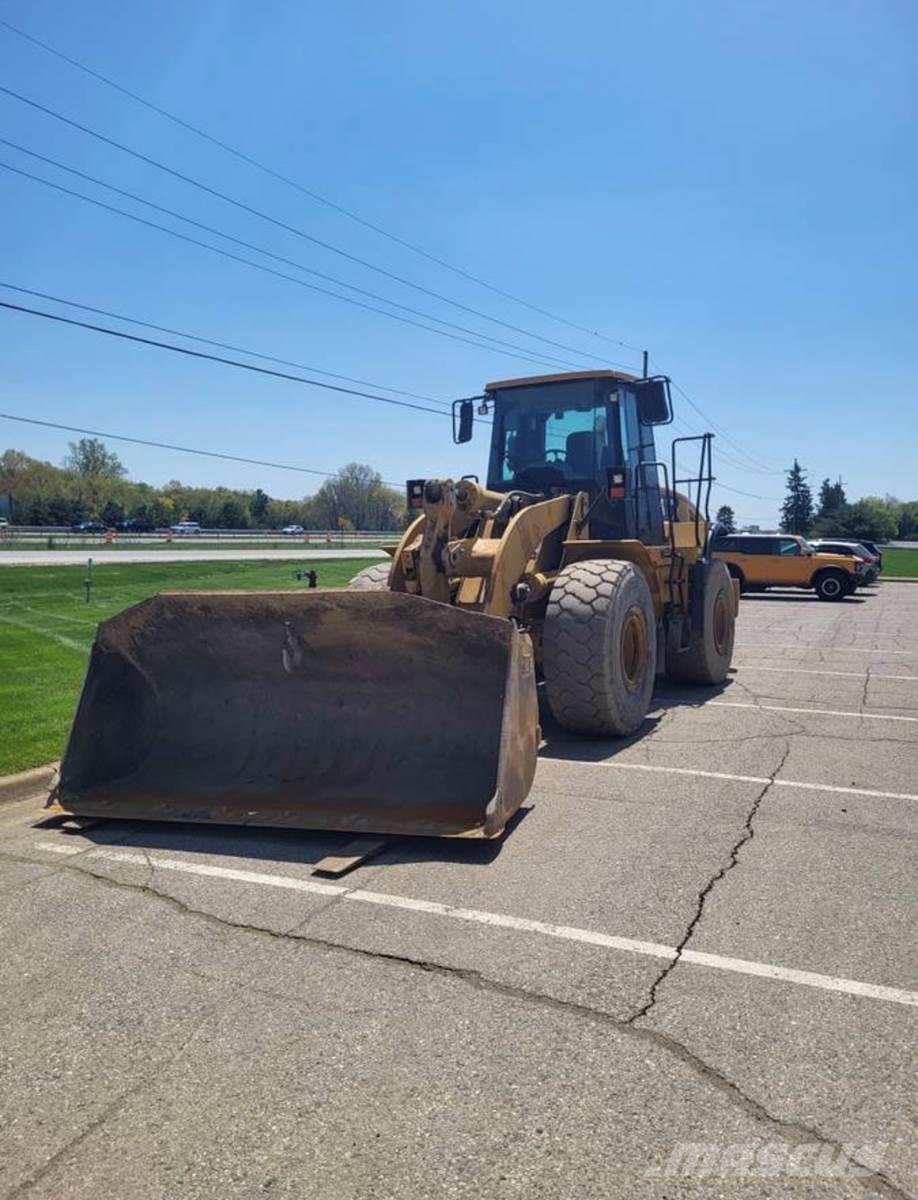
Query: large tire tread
[582, 648]
[372, 579]
[702, 663]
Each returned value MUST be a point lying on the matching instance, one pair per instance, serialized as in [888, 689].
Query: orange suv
[760, 561]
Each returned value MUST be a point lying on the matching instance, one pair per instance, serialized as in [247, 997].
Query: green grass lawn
[47, 629]
[900, 562]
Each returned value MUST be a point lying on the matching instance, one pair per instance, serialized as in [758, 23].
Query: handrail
[704, 479]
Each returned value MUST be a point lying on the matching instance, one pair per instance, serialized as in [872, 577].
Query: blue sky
[731, 185]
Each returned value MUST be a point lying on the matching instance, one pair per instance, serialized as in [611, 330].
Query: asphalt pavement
[688, 970]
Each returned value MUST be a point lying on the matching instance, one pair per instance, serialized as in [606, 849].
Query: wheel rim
[634, 649]
[830, 587]
[721, 623]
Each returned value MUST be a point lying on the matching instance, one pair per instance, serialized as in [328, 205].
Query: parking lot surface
[687, 970]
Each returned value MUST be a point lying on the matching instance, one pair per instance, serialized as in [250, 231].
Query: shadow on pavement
[308, 847]
[292, 846]
[560, 744]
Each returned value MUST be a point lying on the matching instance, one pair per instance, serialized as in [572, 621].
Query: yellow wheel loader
[408, 704]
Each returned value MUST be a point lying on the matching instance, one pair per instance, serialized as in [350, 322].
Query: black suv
[88, 527]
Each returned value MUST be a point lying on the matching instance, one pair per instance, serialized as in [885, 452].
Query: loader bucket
[348, 710]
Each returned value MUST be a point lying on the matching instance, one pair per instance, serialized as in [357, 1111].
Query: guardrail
[64, 539]
[18, 531]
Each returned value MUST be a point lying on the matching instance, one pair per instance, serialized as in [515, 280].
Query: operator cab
[577, 432]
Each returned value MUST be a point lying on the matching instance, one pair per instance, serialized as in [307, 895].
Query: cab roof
[567, 377]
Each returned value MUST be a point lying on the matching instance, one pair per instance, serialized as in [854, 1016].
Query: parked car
[294, 530]
[761, 561]
[91, 526]
[875, 551]
[135, 525]
[853, 549]
[186, 527]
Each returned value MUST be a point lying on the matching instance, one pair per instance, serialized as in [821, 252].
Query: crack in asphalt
[794, 1131]
[746, 835]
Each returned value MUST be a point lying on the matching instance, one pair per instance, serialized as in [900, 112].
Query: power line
[301, 233]
[722, 455]
[239, 350]
[245, 367]
[228, 362]
[318, 197]
[290, 262]
[758, 465]
[344, 211]
[184, 237]
[751, 495]
[123, 437]
[193, 337]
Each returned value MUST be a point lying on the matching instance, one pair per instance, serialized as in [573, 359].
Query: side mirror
[653, 400]
[463, 420]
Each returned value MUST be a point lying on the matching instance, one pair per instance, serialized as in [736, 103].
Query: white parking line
[820, 646]
[761, 779]
[836, 674]
[569, 933]
[819, 712]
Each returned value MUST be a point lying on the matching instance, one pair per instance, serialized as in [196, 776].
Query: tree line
[92, 483]
[874, 518]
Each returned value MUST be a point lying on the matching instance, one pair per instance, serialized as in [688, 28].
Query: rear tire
[831, 585]
[600, 648]
[708, 658]
[372, 579]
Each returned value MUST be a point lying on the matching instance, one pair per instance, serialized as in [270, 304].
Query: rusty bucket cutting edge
[372, 712]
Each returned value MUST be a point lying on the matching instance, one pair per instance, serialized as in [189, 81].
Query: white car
[186, 527]
[294, 530]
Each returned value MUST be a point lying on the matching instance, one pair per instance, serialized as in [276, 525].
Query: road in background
[687, 971]
[99, 556]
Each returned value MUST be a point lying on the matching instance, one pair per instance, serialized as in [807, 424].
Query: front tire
[831, 585]
[600, 648]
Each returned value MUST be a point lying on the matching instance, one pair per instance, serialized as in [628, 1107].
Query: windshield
[552, 436]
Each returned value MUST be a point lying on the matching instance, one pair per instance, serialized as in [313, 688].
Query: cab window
[789, 547]
[551, 437]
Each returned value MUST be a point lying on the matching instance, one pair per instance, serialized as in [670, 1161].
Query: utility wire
[751, 495]
[228, 362]
[122, 437]
[704, 416]
[193, 337]
[301, 233]
[290, 262]
[240, 350]
[336, 207]
[318, 197]
[272, 271]
[246, 367]
[722, 455]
